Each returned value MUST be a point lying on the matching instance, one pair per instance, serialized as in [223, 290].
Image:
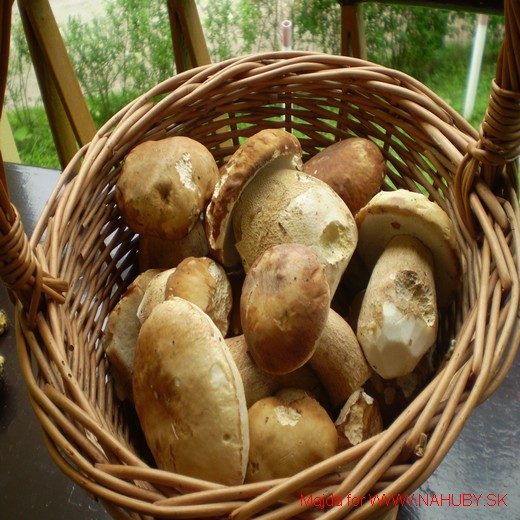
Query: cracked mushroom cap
[189, 396]
[403, 212]
[271, 148]
[288, 436]
[165, 185]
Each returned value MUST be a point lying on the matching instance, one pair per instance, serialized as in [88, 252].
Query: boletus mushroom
[203, 282]
[189, 396]
[409, 243]
[165, 185]
[120, 336]
[359, 419]
[269, 148]
[263, 199]
[287, 436]
[284, 307]
[354, 168]
[259, 384]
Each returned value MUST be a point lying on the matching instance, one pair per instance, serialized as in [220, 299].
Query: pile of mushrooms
[241, 344]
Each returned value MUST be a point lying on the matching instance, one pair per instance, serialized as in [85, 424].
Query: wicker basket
[82, 257]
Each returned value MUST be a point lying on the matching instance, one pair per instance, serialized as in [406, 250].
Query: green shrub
[129, 50]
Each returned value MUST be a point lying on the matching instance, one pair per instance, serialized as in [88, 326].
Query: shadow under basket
[82, 242]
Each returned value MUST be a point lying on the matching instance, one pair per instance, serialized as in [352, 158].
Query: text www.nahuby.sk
[413, 500]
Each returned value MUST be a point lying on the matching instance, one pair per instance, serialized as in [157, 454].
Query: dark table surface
[485, 460]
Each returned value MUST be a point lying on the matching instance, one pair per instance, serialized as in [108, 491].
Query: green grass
[33, 138]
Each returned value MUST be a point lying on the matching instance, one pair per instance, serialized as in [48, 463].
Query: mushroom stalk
[398, 319]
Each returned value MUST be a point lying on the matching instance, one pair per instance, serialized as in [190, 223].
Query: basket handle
[20, 269]
[498, 146]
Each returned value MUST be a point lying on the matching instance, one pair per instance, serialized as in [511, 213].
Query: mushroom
[120, 336]
[154, 294]
[354, 168]
[359, 419]
[284, 307]
[203, 282]
[189, 396]
[262, 199]
[259, 384]
[409, 242]
[271, 148]
[287, 436]
[284, 206]
[165, 185]
[338, 360]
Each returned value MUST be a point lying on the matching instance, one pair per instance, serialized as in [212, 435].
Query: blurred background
[121, 48]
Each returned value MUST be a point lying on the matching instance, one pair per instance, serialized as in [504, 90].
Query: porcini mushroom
[283, 206]
[165, 185]
[262, 200]
[410, 244]
[288, 436]
[259, 384]
[338, 360]
[359, 419]
[271, 148]
[203, 282]
[153, 294]
[189, 396]
[354, 168]
[120, 336]
[284, 307]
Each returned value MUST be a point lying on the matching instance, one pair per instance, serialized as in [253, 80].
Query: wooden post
[67, 111]
[352, 31]
[189, 44]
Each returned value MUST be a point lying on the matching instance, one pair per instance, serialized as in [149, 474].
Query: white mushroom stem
[338, 360]
[398, 319]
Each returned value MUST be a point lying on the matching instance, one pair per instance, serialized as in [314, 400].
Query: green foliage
[17, 80]
[34, 141]
[405, 38]
[221, 29]
[317, 25]
[121, 55]
[125, 51]
[255, 26]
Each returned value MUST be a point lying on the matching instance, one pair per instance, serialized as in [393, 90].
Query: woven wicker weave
[82, 257]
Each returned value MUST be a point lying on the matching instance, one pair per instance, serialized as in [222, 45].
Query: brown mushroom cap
[120, 336]
[288, 436]
[403, 212]
[165, 185]
[189, 396]
[153, 294]
[284, 307]
[354, 168]
[270, 147]
[203, 282]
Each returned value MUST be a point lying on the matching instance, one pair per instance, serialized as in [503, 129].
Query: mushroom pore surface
[287, 206]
